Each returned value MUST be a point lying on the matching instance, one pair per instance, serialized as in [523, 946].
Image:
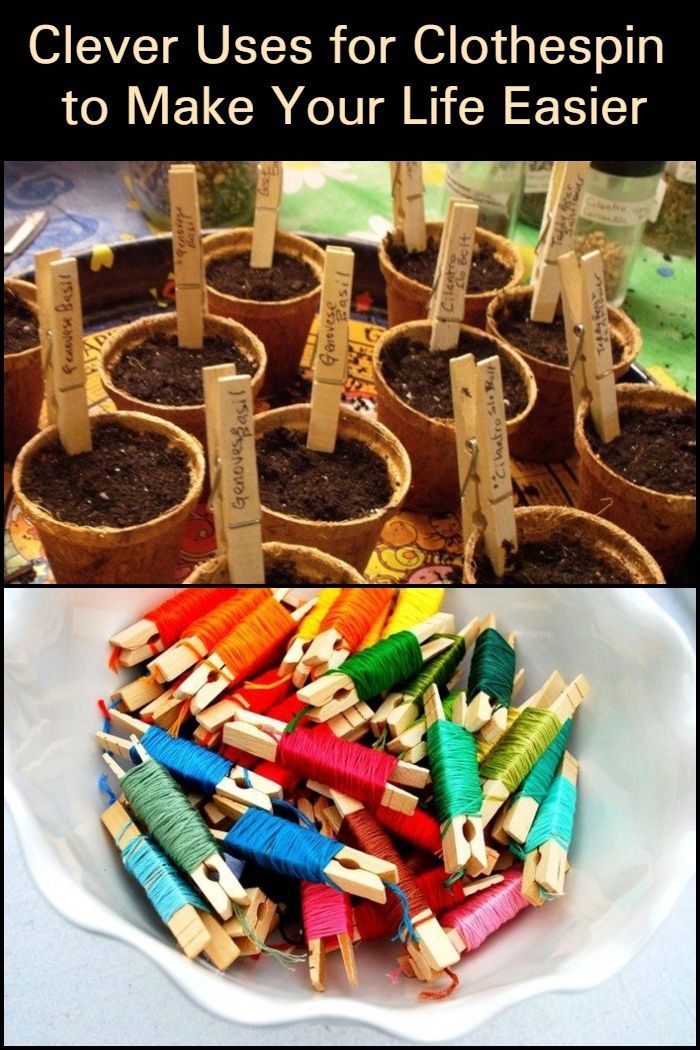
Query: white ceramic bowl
[633, 847]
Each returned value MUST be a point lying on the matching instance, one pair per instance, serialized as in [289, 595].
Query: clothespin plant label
[557, 236]
[331, 361]
[187, 255]
[267, 204]
[407, 181]
[597, 347]
[446, 308]
[69, 358]
[493, 466]
[42, 277]
[240, 497]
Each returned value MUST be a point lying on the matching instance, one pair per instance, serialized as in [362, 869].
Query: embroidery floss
[492, 668]
[519, 748]
[455, 771]
[484, 913]
[438, 671]
[350, 768]
[286, 848]
[354, 613]
[414, 605]
[175, 615]
[159, 804]
[195, 767]
[554, 820]
[254, 643]
[211, 628]
[165, 887]
[537, 783]
[383, 665]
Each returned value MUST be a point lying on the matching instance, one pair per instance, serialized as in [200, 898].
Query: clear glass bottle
[535, 186]
[673, 229]
[495, 185]
[226, 190]
[617, 199]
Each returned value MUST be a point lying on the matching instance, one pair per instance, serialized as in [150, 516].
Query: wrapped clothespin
[547, 845]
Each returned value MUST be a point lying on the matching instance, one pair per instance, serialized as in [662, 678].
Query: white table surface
[66, 987]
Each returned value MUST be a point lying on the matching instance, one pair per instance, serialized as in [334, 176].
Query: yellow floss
[413, 605]
[310, 625]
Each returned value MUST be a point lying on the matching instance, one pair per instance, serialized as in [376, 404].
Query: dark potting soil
[546, 341]
[421, 378]
[286, 574]
[350, 483]
[129, 477]
[288, 277]
[486, 273]
[164, 373]
[552, 561]
[654, 449]
[21, 326]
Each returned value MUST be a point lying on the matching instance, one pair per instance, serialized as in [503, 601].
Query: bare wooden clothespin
[407, 194]
[588, 340]
[483, 457]
[190, 288]
[556, 235]
[44, 306]
[68, 357]
[267, 204]
[331, 359]
[446, 307]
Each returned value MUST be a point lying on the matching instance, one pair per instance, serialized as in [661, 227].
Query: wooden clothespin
[432, 944]
[336, 692]
[135, 695]
[563, 707]
[68, 358]
[407, 195]
[483, 457]
[138, 643]
[44, 306]
[213, 878]
[238, 492]
[267, 204]
[556, 235]
[398, 712]
[258, 735]
[209, 679]
[463, 839]
[479, 713]
[331, 358]
[446, 307]
[186, 924]
[545, 868]
[588, 340]
[326, 649]
[351, 870]
[239, 785]
[190, 289]
[195, 930]
[260, 917]
[212, 397]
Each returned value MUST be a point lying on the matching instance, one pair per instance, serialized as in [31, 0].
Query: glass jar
[535, 186]
[226, 190]
[495, 185]
[616, 202]
[673, 229]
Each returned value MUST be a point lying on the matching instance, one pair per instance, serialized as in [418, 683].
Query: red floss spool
[420, 828]
[350, 768]
[484, 913]
[374, 922]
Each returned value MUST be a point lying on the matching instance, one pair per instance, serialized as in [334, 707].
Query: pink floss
[325, 911]
[479, 916]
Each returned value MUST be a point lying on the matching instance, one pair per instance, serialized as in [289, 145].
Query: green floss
[520, 747]
[492, 668]
[174, 823]
[455, 771]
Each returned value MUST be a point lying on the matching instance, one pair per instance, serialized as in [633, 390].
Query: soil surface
[546, 341]
[21, 325]
[486, 274]
[163, 373]
[288, 277]
[421, 378]
[130, 477]
[654, 449]
[553, 561]
[350, 483]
